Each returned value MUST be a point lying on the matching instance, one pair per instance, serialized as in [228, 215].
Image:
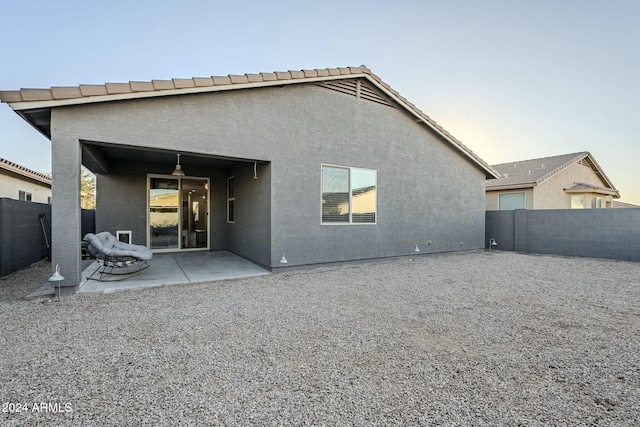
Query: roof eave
[30, 105]
[602, 174]
[519, 186]
[24, 106]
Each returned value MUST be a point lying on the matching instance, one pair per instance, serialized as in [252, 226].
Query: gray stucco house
[323, 165]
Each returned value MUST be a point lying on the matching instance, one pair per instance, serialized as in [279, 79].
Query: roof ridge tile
[66, 92]
[163, 84]
[236, 79]
[283, 75]
[269, 77]
[221, 80]
[11, 96]
[254, 77]
[203, 81]
[29, 94]
[141, 86]
[183, 83]
[297, 74]
[93, 90]
[116, 88]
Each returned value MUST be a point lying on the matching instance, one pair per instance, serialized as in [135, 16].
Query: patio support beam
[93, 159]
[66, 158]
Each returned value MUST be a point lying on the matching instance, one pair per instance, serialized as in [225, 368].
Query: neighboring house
[20, 183]
[569, 181]
[617, 204]
[323, 165]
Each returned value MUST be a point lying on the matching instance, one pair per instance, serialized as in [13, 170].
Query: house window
[511, 201]
[577, 202]
[23, 195]
[596, 203]
[231, 199]
[349, 195]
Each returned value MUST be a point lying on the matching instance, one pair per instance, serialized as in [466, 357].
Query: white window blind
[511, 201]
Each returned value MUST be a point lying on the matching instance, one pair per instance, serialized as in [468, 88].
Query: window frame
[595, 201]
[25, 196]
[231, 199]
[524, 199]
[350, 169]
[576, 196]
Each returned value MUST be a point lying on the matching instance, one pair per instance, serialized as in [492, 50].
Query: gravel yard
[460, 339]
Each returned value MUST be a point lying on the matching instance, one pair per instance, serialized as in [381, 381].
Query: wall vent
[359, 88]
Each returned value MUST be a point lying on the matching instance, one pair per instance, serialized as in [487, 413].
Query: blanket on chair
[106, 244]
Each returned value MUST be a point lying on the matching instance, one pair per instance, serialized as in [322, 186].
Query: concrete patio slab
[176, 269]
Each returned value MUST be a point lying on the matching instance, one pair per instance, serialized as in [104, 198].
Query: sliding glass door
[178, 213]
[195, 223]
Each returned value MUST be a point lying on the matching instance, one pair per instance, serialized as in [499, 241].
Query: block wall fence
[594, 233]
[22, 240]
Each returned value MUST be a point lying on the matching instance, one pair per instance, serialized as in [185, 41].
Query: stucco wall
[10, 186]
[122, 200]
[551, 195]
[250, 234]
[426, 191]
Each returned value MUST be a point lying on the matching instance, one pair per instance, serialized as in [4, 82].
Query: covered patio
[177, 268]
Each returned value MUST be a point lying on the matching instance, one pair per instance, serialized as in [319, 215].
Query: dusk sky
[512, 80]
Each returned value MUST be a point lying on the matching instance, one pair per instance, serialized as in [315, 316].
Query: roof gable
[34, 105]
[529, 173]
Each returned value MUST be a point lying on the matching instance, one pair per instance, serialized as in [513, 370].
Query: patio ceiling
[97, 156]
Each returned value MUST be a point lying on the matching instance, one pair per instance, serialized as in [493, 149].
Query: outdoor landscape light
[56, 277]
[283, 260]
[178, 170]
[492, 242]
[416, 250]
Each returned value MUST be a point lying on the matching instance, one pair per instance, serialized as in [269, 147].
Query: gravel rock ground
[460, 339]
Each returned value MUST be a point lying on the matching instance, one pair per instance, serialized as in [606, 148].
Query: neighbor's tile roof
[21, 170]
[110, 91]
[619, 204]
[584, 187]
[534, 171]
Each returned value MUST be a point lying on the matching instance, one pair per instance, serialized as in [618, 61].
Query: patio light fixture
[56, 277]
[416, 250]
[178, 170]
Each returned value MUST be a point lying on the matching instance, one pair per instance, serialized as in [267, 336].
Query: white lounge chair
[112, 254]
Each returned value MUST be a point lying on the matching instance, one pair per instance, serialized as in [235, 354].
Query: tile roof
[27, 99]
[528, 173]
[584, 187]
[21, 170]
[619, 204]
